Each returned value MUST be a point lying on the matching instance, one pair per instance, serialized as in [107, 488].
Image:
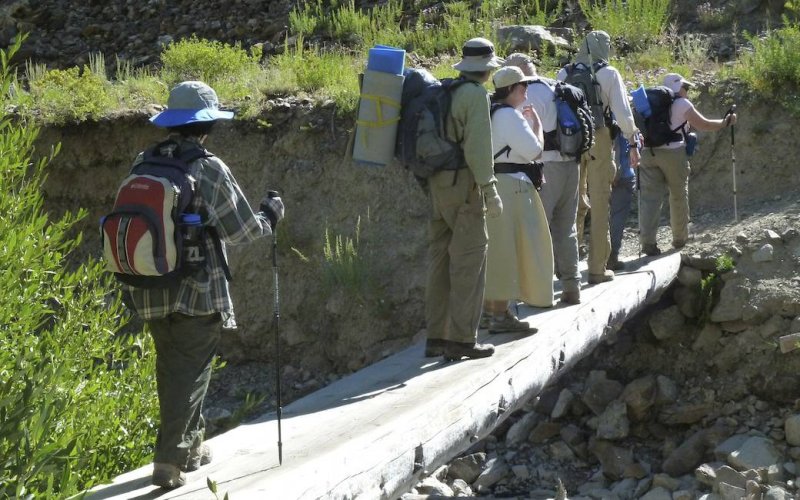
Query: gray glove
[273, 209]
[492, 201]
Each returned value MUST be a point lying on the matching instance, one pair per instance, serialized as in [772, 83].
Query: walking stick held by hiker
[276, 319]
[733, 161]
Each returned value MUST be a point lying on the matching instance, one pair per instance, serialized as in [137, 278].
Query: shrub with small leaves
[77, 398]
[70, 95]
[232, 71]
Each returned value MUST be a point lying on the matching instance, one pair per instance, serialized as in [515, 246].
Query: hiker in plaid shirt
[186, 319]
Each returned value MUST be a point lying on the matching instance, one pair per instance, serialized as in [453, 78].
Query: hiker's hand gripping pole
[276, 319]
[728, 114]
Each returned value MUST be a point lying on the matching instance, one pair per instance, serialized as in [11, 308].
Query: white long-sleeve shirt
[543, 99]
[614, 96]
[510, 128]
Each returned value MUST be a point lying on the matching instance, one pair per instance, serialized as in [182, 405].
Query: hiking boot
[434, 347]
[651, 249]
[509, 323]
[168, 476]
[485, 320]
[456, 350]
[614, 263]
[571, 297]
[607, 275]
[678, 244]
[199, 457]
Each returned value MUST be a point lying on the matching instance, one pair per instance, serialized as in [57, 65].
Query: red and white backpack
[143, 234]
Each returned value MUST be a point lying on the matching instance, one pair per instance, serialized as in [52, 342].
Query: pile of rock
[677, 408]
[64, 32]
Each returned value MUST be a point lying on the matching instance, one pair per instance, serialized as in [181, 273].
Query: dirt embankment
[325, 327]
[298, 148]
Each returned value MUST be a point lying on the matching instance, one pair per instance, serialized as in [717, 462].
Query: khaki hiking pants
[583, 203]
[559, 196]
[661, 171]
[457, 247]
[600, 172]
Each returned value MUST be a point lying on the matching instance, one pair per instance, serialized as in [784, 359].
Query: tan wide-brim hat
[508, 76]
[521, 61]
[478, 55]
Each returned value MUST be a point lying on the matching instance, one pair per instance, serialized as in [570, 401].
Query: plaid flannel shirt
[222, 205]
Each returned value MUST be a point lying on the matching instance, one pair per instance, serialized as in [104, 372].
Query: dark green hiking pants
[185, 347]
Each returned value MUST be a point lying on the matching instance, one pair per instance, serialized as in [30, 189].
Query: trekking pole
[639, 141]
[733, 162]
[276, 319]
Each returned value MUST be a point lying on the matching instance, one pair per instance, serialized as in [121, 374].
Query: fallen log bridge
[372, 434]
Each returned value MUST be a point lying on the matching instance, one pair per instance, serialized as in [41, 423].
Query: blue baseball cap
[190, 102]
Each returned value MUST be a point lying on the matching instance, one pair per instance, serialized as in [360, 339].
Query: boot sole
[510, 330]
[457, 357]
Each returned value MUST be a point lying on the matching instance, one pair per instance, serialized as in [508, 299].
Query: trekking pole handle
[731, 111]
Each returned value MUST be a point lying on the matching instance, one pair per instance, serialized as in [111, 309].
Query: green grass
[326, 73]
[343, 264]
[640, 22]
[343, 33]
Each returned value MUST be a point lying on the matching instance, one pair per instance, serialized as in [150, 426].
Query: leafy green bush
[77, 400]
[233, 72]
[711, 285]
[638, 21]
[693, 50]
[711, 17]
[773, 65]
[70, 95]
[306, 18]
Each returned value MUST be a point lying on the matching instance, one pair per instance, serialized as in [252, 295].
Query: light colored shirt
[510, 128]
[614, 97]
[221, 204]
[543, 99]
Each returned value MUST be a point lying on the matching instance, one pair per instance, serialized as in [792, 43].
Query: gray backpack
[422, 145]
[582, 76]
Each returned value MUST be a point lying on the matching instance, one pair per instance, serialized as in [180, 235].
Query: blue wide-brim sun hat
[190, 102]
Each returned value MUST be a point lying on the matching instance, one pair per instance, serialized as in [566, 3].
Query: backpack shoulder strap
[506, 150]
[193, 153]
[547, 82]
[453, 83]
[496, 106]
